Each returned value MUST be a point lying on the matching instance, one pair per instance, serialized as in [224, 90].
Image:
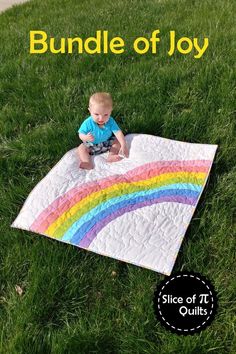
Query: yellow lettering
[105, 41]
[70, 42]
[96, 40]
[41, 41]
[154, 41]
[136, 45]
[200, 50]
[62, 49]
[172, 43]
[114, 45]
[188, 49]
[98, 44]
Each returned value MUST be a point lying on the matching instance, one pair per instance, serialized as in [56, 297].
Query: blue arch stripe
[81, 231]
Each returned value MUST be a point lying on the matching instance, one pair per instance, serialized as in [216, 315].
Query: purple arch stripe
[89, 237]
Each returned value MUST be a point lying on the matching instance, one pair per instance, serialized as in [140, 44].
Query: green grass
[71, 302]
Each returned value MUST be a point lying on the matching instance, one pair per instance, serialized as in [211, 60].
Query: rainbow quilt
[136, 210]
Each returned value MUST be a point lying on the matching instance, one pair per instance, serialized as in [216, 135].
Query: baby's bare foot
[86, 165]
[113, 158]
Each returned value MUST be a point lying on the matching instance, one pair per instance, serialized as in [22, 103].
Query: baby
[100, 132]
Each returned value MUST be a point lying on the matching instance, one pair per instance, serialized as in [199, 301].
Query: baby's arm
[120, 137]
[86, 137]
[85, 131]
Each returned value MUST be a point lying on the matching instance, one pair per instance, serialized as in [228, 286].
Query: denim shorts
[96, 149]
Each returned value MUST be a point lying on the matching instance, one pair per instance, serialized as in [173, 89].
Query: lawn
[76, 301]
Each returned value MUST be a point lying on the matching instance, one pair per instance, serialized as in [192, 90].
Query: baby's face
[100, 113]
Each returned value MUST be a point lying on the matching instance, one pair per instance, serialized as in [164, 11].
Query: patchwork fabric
[136, 210]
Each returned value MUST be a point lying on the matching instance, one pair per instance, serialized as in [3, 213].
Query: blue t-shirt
[100, 134]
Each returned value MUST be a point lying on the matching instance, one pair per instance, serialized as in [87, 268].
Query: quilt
[136, 210]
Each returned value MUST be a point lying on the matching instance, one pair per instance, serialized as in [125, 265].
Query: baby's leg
[113, 154]
[85, 159]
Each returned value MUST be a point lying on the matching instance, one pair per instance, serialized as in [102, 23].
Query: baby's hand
[89, 137]
[124, 151]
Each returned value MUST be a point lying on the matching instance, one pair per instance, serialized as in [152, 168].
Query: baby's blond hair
[102, 98]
